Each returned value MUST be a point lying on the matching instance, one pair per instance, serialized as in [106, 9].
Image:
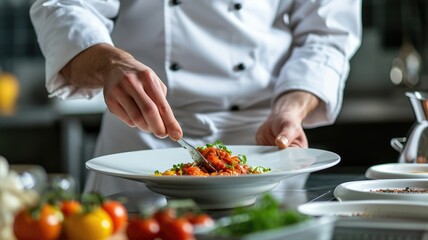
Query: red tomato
[142, 229]
[164, 215]
[117, 212]
[178, 229]
[202, 220]
[70, 207]
[46, 226]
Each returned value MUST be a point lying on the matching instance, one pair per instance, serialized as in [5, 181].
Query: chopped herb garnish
[243, 158]
[260, 169]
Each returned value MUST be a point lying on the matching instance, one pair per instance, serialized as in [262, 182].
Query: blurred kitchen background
[60, 135]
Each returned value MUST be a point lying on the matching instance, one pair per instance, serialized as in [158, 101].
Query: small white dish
[398, 170]
[380, 189]
[368, 208]
[214, 192]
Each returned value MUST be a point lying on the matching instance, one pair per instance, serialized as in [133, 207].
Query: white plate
[366, 190]
[398, 170]
[215, 191]
[368, 208]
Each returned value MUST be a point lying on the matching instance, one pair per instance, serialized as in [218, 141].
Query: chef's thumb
[282, 141]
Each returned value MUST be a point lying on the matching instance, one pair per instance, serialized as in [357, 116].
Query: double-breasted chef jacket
[223, 61]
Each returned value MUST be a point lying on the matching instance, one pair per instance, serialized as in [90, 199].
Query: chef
[240, 71]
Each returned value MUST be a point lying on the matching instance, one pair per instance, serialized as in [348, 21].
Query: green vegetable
[217, 144]
[266, 214]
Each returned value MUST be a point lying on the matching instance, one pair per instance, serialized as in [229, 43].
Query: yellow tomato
[94, 225]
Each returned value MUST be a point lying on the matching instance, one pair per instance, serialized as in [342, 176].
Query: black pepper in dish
[401, 190]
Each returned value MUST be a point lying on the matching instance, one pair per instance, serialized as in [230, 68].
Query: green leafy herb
[178, 167]
[260, 169]
[266, 214]
[242, 158]
[230, 166]
[217, 144]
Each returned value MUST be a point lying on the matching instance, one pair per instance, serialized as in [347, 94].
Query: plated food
[220, 158]
[214, 192]
[393, 189]
[397, 170]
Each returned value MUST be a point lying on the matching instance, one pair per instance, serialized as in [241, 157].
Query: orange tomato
[70, 207]
[46, 225]
[117, 212]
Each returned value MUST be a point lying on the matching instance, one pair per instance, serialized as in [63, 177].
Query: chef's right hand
[132, 91]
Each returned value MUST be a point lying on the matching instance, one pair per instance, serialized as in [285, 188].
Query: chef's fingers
[153, 86]
[291, 137]
[148, 110]
[282, 141]
[125, 108]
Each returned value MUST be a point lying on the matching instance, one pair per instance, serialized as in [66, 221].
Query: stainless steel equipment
[414, 147]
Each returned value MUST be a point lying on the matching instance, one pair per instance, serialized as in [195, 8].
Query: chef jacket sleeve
[64, 28]
[326, 34]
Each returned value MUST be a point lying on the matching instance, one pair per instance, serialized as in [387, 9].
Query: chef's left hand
[283, 127]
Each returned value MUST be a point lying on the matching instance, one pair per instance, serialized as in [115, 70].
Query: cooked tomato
[142, 229]
[117, 212]
[95, 224]
[44, 224]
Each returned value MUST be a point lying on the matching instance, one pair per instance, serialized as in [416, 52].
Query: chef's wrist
[90, 67]
[297, 103]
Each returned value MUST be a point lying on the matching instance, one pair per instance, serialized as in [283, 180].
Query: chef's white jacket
[223, 61]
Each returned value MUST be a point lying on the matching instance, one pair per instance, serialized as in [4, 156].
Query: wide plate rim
[275, 175]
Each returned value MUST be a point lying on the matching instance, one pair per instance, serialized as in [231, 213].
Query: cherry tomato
[178, 229]
[46, 225]
[165, 215]
[117, 212]
[95, 224]
[70, 207]
[142, 229]
[200, 220]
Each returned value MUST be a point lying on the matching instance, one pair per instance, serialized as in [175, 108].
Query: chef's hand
[283, 127]
[132, 91]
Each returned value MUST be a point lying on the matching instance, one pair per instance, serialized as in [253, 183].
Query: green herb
[217, 144]
[230, 166]
[266, 214]
[260, 169]
[242, 158]
[178, 167]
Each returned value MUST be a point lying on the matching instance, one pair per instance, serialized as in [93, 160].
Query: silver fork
[196, 155]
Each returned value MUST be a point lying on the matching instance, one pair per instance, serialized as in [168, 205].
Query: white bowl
[366, 190]
[214, 192]
[398, 170]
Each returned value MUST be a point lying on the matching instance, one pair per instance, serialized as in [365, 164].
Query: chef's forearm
[298, 103]
[90, 67]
